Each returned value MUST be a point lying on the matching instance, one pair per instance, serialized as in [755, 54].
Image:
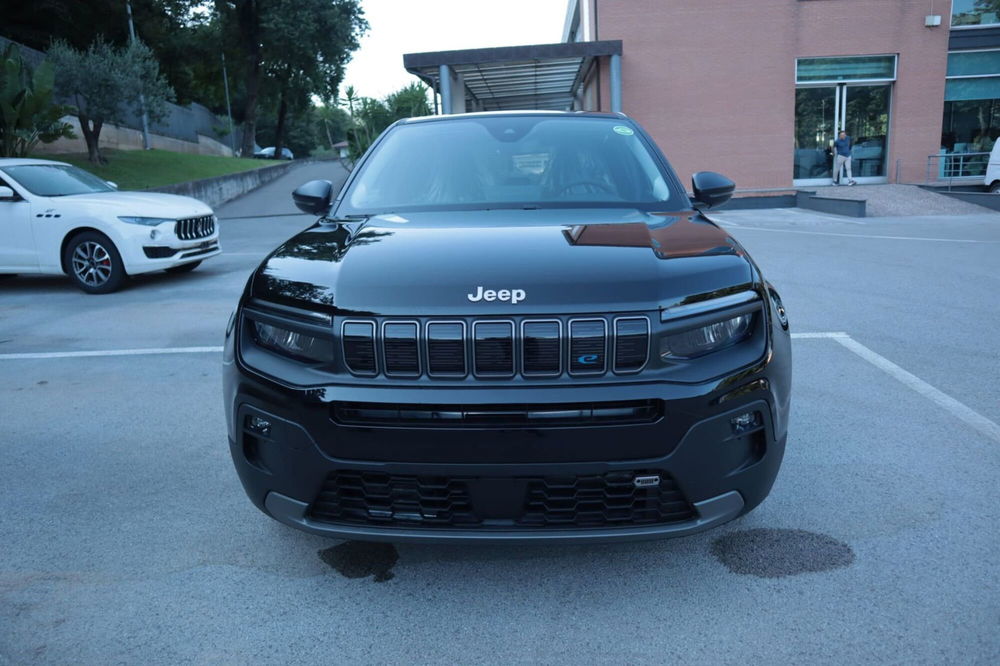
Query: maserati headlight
[293, 343]
[146, 221]
[705, 339]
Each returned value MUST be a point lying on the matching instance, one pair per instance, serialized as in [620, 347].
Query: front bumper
[720, 475]
[142, 254]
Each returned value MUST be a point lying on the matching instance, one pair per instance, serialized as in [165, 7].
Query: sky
[415, 26]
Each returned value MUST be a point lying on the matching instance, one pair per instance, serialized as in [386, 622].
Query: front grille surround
[390, 362]
[365, 360]
[498, 348]
[581, 347]
[525, 323]
[480, 351]
[193, 228]
[618, 345]
[442, 350]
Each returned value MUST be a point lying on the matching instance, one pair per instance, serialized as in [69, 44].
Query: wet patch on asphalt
[773, 553]
[360, 559]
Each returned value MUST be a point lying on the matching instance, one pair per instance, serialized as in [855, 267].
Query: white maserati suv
[56, 218]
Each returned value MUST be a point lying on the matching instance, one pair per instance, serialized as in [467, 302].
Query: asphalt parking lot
[126, 536]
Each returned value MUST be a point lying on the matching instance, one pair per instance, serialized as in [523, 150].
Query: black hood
[563, 261]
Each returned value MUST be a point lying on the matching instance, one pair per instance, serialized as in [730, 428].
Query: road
[127, 538]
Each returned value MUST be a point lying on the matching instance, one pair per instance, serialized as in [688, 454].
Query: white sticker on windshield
[624, 131]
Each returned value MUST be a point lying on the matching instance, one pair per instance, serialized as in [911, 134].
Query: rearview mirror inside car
[314, 197]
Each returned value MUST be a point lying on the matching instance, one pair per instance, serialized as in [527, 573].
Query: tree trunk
[91, 134]
[329, 139]
[250, 108]
[279, 131]
[248, 20]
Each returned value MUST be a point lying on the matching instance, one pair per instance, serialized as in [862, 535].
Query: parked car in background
[268, 154]
[992, 179]
[56, 218]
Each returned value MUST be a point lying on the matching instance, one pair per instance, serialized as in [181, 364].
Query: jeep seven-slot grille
[622, 498]
[497, 348]
[195, 227]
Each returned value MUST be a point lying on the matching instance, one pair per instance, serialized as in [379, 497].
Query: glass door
[821, 112]
[816, 113]
[866, 119]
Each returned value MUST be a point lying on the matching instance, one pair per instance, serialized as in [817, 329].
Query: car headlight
[705, 339]
[146, 221]
[293, 343]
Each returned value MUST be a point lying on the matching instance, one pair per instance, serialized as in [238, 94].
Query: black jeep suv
[509, 327]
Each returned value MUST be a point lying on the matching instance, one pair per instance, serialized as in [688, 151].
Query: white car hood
[137, 204]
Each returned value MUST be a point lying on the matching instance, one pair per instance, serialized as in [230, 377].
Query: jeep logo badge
[512, 295]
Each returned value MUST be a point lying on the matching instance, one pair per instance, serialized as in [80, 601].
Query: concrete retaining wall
[114, 137]
[218, 190]
[801, 199]
[846, 207]
[980, 198]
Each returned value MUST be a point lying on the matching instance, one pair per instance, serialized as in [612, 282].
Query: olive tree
[104, 81]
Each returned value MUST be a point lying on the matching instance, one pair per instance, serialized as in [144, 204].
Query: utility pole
[229, 110]
[142, 97]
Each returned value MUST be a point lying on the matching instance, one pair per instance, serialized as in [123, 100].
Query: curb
[220, 189]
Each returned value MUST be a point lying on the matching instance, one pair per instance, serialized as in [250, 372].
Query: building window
[846, 68]
[971, 111]
[975, 12]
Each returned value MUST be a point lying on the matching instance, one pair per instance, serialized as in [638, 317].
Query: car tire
[995, 187]
[183, 268]
[93, 263]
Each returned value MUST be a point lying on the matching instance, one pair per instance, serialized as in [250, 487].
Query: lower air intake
[614, 499]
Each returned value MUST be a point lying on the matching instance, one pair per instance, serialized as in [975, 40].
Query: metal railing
[961, 167]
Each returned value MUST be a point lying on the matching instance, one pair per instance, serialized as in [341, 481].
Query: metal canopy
[541, 76]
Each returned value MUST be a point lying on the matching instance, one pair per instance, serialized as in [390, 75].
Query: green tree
[291, 51]
[333, 123]
[28, 114]
[370, 117]
[176, 30]
[104, 81]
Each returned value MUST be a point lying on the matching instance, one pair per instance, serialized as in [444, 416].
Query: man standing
[842, 158]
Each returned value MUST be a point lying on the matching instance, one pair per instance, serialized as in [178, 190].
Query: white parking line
[820, 336]
[861, 236]
[940, 398]
[114, 352]
[215, 350]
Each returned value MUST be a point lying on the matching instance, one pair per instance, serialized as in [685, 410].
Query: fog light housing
[745, 422]
[154, 234]
[259, 425]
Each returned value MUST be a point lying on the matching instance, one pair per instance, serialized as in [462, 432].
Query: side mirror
[314, 197]
[7, 194]
[113, 185]
[711, 189]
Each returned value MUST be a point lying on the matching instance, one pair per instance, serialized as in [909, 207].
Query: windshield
[510, 162]
[56, 180]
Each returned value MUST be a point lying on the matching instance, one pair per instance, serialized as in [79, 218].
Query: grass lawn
[142, 169]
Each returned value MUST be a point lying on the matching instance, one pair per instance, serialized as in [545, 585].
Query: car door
[17, 242]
